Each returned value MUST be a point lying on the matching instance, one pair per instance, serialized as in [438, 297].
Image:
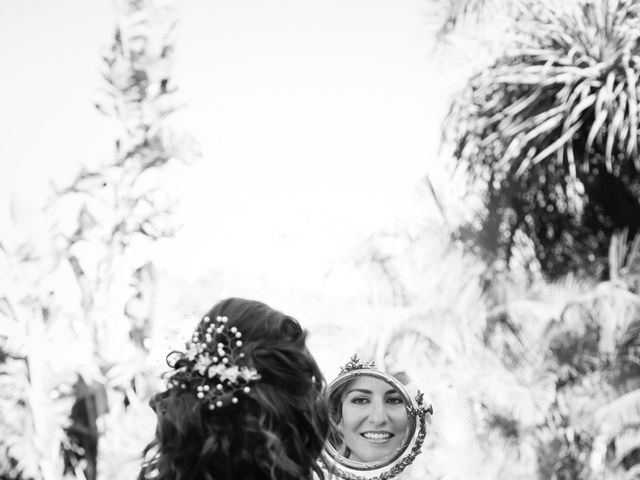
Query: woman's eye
[395, 400]
[359, 400]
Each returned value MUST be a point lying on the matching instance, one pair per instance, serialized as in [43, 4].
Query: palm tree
[548, 136]
[544, 387]
[456, 12]
[541, 386]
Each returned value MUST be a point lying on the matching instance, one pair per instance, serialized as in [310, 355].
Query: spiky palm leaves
[586, 344]
[542, 387]
[548, 134]
[457, 11]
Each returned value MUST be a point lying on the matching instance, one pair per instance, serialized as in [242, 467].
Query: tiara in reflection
[355, 363]
[210, 364]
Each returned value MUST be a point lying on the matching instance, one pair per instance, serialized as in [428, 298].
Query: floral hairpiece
[210, 364]
[355, 363]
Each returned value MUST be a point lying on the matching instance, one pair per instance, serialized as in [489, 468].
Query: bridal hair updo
[272, 428]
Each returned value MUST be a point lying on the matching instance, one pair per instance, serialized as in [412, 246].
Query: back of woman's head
[272, 426]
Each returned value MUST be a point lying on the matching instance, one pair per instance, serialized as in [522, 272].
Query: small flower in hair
[210, 365]
[215, 370]
[202, 364]
[230, 374]
[193, 351]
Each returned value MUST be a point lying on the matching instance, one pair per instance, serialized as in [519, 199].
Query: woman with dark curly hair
[371, 420]
[244, 401]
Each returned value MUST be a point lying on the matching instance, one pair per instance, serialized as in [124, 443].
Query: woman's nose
[378, 414]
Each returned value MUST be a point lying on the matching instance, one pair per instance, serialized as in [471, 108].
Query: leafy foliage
[455, 12]
[548, 136]
[543, 386]
[79, 299]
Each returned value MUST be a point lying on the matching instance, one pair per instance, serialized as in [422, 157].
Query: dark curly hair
[274, 433]
[335, 436]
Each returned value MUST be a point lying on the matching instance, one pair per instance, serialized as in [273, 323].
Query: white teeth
[376, 436]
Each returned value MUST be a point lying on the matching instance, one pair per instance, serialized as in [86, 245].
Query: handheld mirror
[377, 428]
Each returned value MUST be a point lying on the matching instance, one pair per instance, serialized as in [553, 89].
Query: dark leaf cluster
[548, 136]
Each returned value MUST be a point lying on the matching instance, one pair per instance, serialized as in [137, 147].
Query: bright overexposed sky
[317, 119]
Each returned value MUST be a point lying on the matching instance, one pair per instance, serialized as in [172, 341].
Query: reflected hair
[336, 436]
[274, 433]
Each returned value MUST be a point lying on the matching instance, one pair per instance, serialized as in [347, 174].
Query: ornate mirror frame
[338, 466]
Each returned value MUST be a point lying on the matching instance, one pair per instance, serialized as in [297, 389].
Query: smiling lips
[377, 437]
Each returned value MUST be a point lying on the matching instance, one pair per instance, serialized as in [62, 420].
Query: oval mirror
[377, 427]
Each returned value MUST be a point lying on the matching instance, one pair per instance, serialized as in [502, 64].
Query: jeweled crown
[210, 364]
[355, 363]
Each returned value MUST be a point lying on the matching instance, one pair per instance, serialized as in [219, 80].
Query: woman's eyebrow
[359, 390]
[393, 391]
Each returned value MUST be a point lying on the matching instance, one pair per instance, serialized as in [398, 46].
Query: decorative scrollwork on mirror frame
[338, 466]
[419, 412]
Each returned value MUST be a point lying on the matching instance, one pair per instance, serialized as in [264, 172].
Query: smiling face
[374, 419]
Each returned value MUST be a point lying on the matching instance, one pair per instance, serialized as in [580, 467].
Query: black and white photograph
[320, 240]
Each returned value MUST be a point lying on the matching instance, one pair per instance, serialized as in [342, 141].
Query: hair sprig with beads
[210, 364]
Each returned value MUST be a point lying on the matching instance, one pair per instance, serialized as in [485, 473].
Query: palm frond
[558, 109]
[624, 260]
[625, 443]
[456, 11]
[616, 416]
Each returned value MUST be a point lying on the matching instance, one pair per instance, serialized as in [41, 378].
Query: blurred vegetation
[548, 136]
[77, 303]
[524, 332]
[455, 14]
[541, 385]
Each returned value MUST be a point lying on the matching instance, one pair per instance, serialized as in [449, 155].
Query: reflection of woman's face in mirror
[373, 419]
